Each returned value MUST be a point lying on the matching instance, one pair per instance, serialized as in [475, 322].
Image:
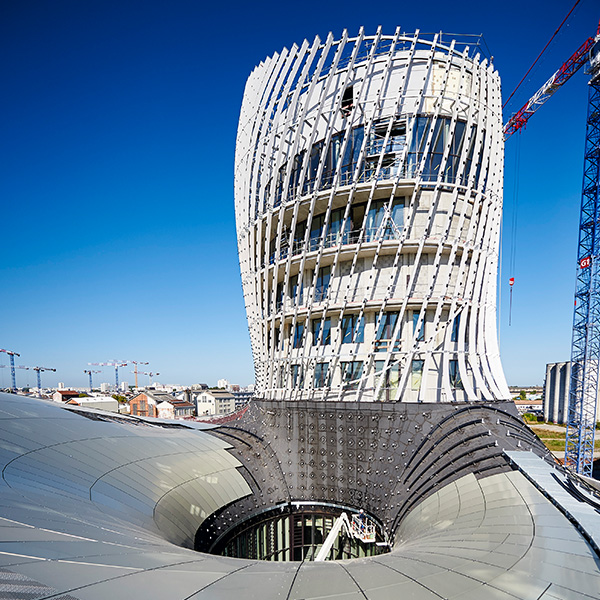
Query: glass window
[322, 283]
[420, 336]
[325, 337]
[298, 334]
[321, 375]
[385, 220]
[351, 374]
[387, 325]
[295, 290]
[313, 167]
[389, 384]
[277, 338]
[416, 374]
[336, 225]
[455, 327]
[316, 230]
[353, 329]
[332, 159]
[455, 378]
[351, 155]
[295, 174]
[297, 376]
[279, 184]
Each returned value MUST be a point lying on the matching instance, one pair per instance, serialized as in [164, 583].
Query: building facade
[556, 392]
[214, 402]
[368, 204]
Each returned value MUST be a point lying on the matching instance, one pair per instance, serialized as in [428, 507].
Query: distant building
[242, 398]
[175, 409]
[61, 385]
[557, 388]
[214, 402]
[124, 386]
[64, 395]
[143, 405]
[556, 392]
[105, 387]
[151, 403]
[223, 384]
[97, 402]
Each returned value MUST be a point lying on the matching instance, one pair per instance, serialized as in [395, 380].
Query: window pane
[321, 375]
[387, 325]
[298, 333]
[322, 283]
[316, 331]
[420, 336]
[416, 374]
[455, 326]
[297, 376]
[455, 379]
[353, 331]
[351, 374]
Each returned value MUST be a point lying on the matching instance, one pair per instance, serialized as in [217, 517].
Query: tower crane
[11, 356]
[89, 372]
[585, 348]
[150, 376]
[114, 363]
[12, 369]
[39, 370]
[136, 363]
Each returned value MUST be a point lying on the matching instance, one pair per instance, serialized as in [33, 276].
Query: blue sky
[116, 176]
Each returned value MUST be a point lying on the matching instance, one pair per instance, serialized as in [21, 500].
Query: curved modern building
[368, 201]
[368, 190]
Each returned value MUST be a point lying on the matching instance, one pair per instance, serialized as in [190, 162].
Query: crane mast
[11, 356]
[585, 351]
[585, 347]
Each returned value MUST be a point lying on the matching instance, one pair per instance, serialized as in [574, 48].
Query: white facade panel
[368, 186]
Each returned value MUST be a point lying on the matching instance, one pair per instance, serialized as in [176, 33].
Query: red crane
[579, 58]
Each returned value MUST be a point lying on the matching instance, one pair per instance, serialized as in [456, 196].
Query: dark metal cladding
[382, 457]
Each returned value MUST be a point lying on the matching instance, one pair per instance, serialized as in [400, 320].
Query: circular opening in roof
[297, 532]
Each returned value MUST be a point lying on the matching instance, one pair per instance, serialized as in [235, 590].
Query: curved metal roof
[92, 509]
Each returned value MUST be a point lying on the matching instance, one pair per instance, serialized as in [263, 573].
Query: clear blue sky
[116, 175]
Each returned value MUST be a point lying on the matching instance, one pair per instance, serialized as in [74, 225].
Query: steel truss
[585, 353]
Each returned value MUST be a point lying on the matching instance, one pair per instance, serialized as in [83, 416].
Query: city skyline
[118, 180]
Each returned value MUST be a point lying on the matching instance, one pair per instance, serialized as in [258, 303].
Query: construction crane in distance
[585, 348]
[114, 363]
[11, 356]
[12, 368]
[39, 370]
[150, 375]
[136, 363]
[89, 372]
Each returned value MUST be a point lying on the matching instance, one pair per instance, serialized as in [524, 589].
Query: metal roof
[94, 510]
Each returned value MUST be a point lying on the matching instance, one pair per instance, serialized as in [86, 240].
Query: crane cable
[513, 229]
[542, 52]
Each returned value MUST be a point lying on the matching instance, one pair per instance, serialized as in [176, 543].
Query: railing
[377, 146]
[370, 234]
